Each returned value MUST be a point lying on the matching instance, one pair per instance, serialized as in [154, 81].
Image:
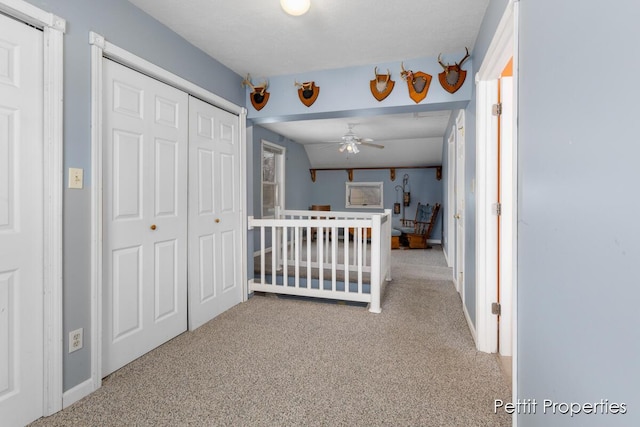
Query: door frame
[101, 48]
[451, 202]
[504, 46]
[53, 28]
[460, 182]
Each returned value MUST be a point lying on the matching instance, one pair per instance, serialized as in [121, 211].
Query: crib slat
[359, 260]
[347, 264]
[296, 256]
[364, 247]
[274, 255]
[308, 258]
[262, 258]
[320, 252]
[334, 257]
[285, 267]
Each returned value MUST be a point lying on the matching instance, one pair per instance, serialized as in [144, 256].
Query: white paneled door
[145, 144]
[214, 212]
[21, 223]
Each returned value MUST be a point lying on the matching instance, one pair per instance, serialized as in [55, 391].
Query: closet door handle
[217, 220]
[153, 227]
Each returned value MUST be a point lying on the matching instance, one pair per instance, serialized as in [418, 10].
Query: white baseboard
[434, 241]
[472, 328]
[76, 393]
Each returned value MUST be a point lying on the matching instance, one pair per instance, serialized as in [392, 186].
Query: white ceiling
[413, 139]
[257, 37]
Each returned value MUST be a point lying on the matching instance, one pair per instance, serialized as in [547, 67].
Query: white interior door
[21, 223]
[460, 198]
[145, 214]
[215, 223]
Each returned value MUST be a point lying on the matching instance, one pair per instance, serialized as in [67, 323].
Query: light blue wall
[126, 26]
[578, 233]
[298, 179]
[329, 189]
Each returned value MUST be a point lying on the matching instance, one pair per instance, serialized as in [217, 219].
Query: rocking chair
[416, 232]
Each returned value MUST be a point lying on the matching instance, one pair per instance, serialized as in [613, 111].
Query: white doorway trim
[53, 28]
[100, 48]
[503, 47]
[451, 202]
[280, 159]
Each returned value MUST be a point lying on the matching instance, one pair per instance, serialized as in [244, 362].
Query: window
[364, 195]
[272, 178]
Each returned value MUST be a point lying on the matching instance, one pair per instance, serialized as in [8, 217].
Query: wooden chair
[325, 208]
[417, 231]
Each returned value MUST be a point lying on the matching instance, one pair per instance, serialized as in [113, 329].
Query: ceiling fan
[350, 141]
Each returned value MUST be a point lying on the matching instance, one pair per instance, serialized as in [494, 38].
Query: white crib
[349, 260]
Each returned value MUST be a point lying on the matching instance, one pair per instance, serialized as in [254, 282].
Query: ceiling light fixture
[350, 147]
[295, 7]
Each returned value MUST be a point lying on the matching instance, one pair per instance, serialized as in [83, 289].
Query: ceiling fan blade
[365, 140]
[368, 144]
[323, 143]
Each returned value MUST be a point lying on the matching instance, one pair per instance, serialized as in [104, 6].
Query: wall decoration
[259, 95]
[452, 77]
[382, 85]
[418, 83]
[308, 92]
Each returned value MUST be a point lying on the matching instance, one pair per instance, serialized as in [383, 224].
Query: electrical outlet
[75, 340]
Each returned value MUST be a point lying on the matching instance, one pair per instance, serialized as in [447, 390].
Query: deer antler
[247, 82]
[459, 64]
[406, 75]
[388, 74]
[261, 88]
[440, 62]
[305, 85]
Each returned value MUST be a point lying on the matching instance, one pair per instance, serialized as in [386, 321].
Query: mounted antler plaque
[308, 92]
[382, 85]
[418, 83]
[452, 77]
[259, 95]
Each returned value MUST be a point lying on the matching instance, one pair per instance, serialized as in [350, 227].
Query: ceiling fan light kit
[295, 7]
[350, 142]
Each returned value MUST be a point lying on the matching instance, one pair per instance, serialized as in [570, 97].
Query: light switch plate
[75, 177]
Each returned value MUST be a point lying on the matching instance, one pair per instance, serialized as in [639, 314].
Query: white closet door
[145, 214]
[215, 225]
[21, 219]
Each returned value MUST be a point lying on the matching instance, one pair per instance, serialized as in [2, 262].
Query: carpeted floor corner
[285, 362]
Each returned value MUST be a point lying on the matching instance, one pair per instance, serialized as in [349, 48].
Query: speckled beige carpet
[281, 362]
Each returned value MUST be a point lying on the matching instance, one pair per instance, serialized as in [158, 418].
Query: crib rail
[348, 260]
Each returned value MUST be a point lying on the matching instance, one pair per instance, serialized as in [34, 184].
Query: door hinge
[497, 209]
[495, 308]
[496, 109]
